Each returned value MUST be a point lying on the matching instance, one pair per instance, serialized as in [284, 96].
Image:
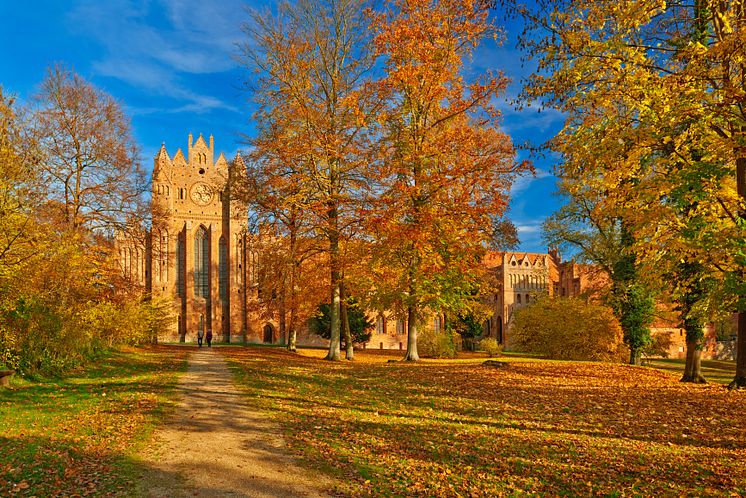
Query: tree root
[694, 379]
[737, 383]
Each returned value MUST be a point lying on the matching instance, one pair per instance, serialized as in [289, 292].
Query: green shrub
[431, 344]
[43, 338]
[490, 346]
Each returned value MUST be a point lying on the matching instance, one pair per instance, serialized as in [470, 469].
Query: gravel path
[217, 445]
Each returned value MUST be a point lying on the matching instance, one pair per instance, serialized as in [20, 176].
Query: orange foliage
[446, 168]
[457, 428]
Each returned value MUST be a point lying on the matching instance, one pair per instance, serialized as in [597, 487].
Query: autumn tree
[88, 156]
[602, 239]
[18, 189]
[446, 167]
[313, 63]
[652, 94]
[288, 253]
[59, 296]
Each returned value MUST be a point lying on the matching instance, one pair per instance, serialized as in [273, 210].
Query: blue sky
[170, 63]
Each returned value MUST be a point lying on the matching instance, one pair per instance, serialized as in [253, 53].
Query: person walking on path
[200, 334]
[209, 338]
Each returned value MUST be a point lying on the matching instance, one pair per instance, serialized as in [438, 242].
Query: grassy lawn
[76, 436]
[457, 428]
[721, 372]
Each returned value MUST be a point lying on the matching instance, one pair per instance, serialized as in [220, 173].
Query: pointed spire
[162, 153]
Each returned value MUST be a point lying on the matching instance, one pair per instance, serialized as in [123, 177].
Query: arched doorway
[268, 334]
[499, 331]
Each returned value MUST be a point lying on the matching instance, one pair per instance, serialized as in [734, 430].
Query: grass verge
[78, 435]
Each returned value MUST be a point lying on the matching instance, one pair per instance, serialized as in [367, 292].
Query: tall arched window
[164, 255]
[201, 262]
[223, 269]
[180, 265]
[237, 258]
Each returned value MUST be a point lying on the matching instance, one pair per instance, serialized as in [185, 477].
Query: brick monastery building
[200, 256]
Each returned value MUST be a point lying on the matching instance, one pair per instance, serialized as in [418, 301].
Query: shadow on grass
[62, 468]
[718, 371]
[61, 436]
[558, 427]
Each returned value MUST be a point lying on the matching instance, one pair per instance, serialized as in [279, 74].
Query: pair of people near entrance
[208, 337]
[201, 333]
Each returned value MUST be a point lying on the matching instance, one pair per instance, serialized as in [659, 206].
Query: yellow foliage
[568, 329]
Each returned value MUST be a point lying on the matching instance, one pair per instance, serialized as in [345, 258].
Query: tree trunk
[292, 335]
[292, 340]
[294, 265]
[634, 356]
[739, 381]
[412, 354]
[334, 342]
[283, 317]
[349, 347]
[693, 366]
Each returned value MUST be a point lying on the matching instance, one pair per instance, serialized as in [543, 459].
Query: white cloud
[155, 46]
[530, 237]
[522, 183]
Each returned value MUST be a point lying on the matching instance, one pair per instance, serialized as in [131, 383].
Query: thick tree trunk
[349, 347]
[292, 335]
[412, 354]
[294, 265]
[634, 356]
[693, 365]
[292, 340]
[739, 381]
[283, 317]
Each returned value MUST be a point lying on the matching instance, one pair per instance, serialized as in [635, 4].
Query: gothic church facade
[198, 256]
[198, 243]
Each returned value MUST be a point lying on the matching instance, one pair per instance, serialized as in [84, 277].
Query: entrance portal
[268, 334]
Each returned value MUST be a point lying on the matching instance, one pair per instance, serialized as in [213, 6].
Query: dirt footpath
[217, 445]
